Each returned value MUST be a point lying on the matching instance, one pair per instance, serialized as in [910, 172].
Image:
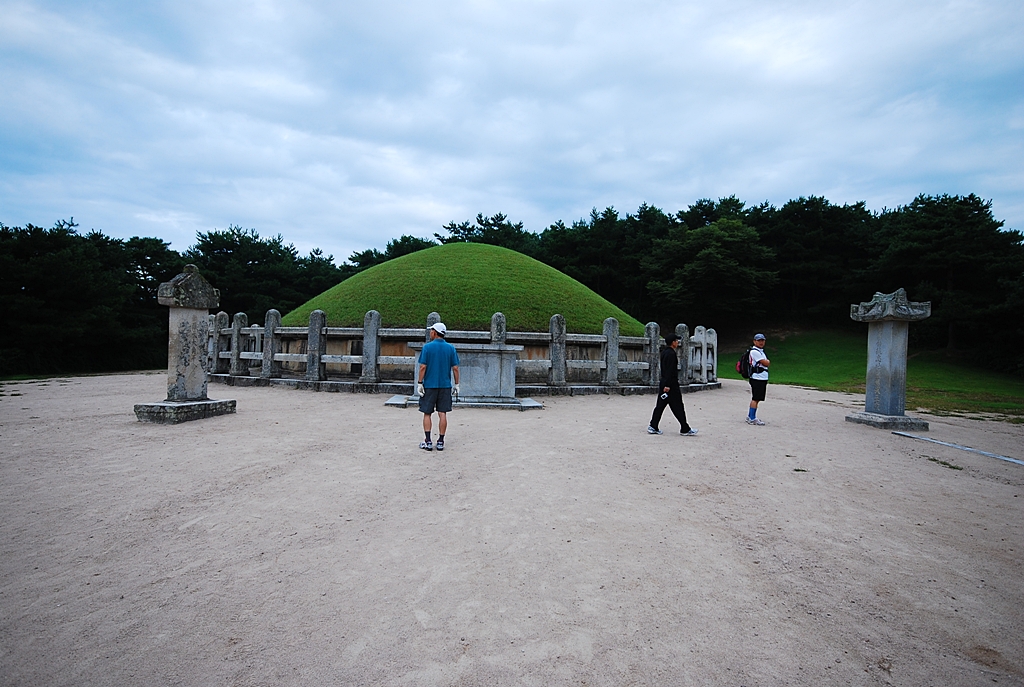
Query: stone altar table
[487, 377]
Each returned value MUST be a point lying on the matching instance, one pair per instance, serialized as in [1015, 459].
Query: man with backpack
[758, 365]
[668, 390]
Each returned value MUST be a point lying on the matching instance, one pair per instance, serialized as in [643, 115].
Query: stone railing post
[239, 367]
[712, 355]
[271, 345]
[371, 348]
[698, 355]
[211, 344]
[683, 354]
[190, 298]
[556, 351]
[432, 319]
[222, 343]
[888, 317]
[498, 328]
[652, 354]
[610, 376]
[316, 346]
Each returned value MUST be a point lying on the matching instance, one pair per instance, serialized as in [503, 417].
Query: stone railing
[380, 359]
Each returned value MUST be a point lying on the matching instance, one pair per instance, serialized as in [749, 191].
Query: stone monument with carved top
[888, 317]
[190, 298]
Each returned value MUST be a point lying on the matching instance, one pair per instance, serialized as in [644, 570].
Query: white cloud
[345, 126]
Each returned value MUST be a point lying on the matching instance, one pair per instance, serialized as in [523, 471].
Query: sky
[343, 125]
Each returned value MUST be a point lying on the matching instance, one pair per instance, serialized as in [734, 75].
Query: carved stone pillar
[556, 375]
[888, 317]
[371, 348]
[652, 354]
[610, 376]
[316, 346]
[190, 298]
[270, 368]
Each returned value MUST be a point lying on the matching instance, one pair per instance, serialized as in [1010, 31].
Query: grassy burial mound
[466, 283]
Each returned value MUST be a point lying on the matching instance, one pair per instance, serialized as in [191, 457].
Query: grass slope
[836, 361]
[466, 283]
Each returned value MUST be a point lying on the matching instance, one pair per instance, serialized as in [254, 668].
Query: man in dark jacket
[668, 390]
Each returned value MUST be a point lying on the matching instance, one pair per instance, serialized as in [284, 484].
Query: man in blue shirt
[439, 363]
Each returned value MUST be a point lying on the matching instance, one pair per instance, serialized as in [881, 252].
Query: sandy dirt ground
[306, 540]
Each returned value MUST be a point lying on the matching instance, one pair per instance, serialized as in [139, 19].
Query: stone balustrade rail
[376, 358]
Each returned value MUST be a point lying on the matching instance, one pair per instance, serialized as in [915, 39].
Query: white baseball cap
[439, 327]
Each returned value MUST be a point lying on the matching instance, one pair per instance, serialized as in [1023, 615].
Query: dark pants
[675, 402]
[758, 389]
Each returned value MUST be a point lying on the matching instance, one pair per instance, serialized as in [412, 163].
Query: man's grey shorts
[436, 399]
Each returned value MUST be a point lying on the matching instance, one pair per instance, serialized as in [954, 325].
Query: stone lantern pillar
[190, 298]
[888, 317]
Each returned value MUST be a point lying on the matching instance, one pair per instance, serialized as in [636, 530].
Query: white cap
[439, 327]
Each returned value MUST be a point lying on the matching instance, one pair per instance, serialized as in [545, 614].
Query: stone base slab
[597, 389]
[406, 388]
[403, 401]
[172, 412]
[323, 386]
[888, 421]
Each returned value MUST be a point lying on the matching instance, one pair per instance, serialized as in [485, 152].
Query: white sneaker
[755, 421]
[651, 430]
[691, 433]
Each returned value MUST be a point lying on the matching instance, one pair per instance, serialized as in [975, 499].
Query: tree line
[738, 268]
[88, 303]
[717, 263]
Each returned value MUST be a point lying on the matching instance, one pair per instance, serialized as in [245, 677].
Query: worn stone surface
[271, 345]
[239, 366]
[888, 421]
[885, 389]
[702, 356]
[888, 317]
[652, 353]
[610, 375]
[487, 372]
[316, 346]
[595, 389]
[432, 319]
[711, 355]
[189, 298]
[222, 343]
[403, 401]
[698, 350]
[683, 354]
[556, 374]
[188, 290]
[188, 333]
[371, 348]
[498, 328]
[172, 413]
[890, 306]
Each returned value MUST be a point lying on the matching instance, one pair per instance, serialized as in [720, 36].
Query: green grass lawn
[837, 361]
